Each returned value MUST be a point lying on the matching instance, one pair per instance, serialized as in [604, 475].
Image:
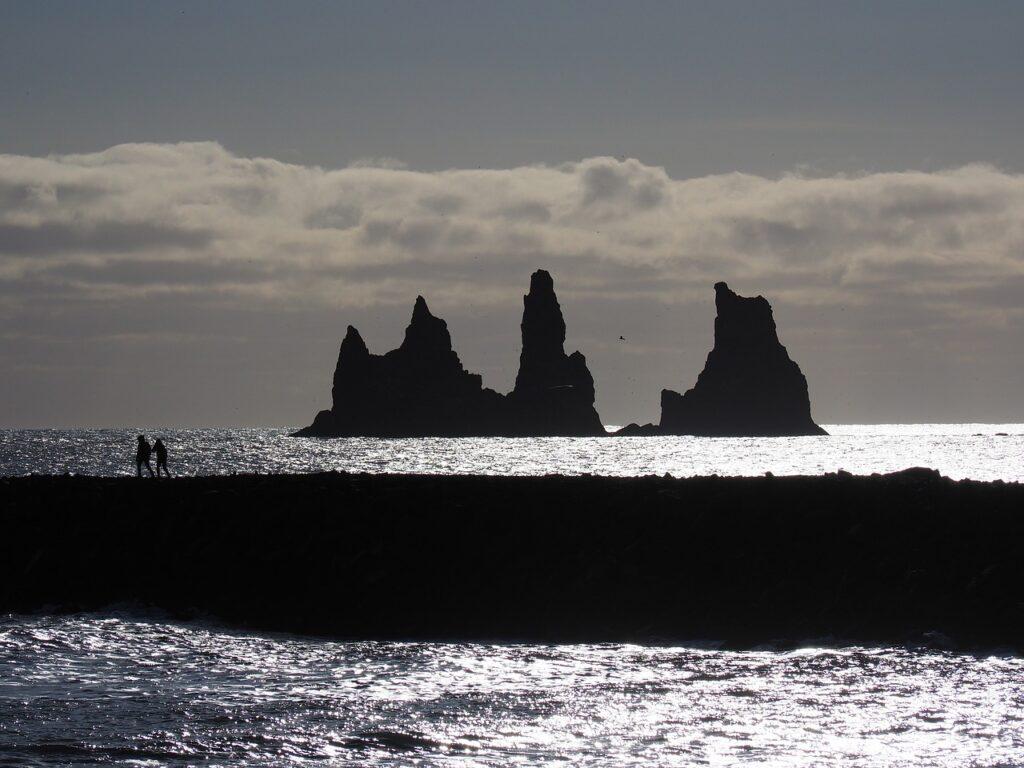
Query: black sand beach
[908, 557]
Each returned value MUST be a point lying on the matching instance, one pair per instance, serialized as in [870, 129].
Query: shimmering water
[978, 451]
[147, 692]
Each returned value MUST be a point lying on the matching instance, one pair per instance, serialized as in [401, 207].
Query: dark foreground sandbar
[899, 558]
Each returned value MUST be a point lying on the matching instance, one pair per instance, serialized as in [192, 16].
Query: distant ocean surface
[976, 451]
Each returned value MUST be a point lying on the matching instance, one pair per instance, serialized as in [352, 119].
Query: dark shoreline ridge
[881, 559]
[422, 390]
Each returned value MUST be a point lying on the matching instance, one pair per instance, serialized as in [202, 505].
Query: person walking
[161, 457]
[142, 455]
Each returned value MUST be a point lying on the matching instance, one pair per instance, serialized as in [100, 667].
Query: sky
[196, 199]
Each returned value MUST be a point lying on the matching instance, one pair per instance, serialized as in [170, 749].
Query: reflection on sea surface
[120, 690]
[978, 451]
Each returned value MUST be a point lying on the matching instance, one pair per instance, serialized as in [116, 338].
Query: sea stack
[749, 385]
[417, 390]
[554, 392]
[422, 390]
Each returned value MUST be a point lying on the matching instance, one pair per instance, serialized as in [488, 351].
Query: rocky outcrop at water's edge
[749, 385]
[554, 392]
[422, 390]
[419, 389]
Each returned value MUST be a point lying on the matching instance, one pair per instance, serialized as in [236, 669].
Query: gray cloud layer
[872, 275]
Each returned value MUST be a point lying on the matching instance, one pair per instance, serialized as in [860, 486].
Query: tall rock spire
[542, 361]
[749, 385]
[554, 392]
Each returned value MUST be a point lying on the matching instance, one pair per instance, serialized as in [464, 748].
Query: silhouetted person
[142, 456]
[161, 457]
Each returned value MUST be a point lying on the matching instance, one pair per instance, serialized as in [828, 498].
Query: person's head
[159, 442]
[142, 438]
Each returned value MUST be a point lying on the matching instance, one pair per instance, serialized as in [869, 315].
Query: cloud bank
[189, 224]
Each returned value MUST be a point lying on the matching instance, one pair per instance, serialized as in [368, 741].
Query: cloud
[194, 205]
[442, 205]
[163, 272]
[103, 237]
[196, 226]
[528, 210]
[340, 216]
[623, 183]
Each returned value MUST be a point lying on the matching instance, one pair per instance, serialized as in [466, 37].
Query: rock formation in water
[421, 388]
[554, 392]
[749, 385]
[638, 430]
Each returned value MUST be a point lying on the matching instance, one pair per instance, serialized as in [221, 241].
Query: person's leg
[149, 467]
[138, 468]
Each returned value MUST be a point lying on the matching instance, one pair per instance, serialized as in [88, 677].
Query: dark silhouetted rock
[637, 430]
[554, 392]
[419, 389]
[749, 386]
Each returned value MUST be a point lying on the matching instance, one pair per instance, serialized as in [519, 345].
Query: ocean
[131, 687]
[976, 451]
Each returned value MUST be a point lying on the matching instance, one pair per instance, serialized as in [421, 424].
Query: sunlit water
[147, 692]
[978, 451]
